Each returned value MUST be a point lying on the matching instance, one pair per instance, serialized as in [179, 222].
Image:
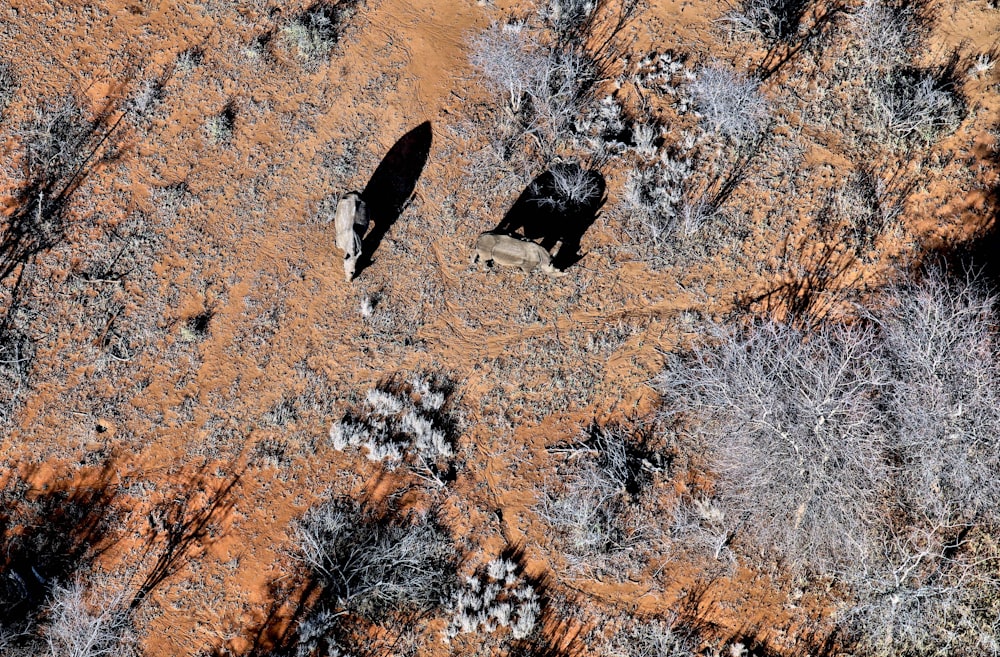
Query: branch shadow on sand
[391, 187]
[184, 523]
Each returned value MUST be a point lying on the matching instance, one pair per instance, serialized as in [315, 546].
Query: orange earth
[230, 227]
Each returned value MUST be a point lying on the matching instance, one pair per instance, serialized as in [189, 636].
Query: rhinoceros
[512, 251]
[351, 222]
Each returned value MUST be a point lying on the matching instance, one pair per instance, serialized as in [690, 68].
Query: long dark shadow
[391, 186]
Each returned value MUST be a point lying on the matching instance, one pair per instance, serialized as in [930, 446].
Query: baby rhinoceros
[351, 222]
[512, 251]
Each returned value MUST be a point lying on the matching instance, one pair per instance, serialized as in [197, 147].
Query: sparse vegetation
[792, 433]
[652, 637]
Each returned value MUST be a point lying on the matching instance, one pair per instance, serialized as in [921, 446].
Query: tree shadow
[54, 165]
[183, 522]
[815, 287]
[792, 34]
[558, 206]
[391, 187]
[291, 597]
[49, 535]
[693, 617]
[980, 254]
[59, 151]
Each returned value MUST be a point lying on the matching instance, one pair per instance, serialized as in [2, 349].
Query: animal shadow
[391, 186]
[559, 206]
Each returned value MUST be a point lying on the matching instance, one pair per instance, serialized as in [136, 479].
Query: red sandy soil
[535, 359]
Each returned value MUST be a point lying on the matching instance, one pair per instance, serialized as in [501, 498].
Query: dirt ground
[220, 357]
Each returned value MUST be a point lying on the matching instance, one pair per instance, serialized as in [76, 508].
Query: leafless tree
[508, 57]
[544, 88]
[931, 587]
[869, 452]
[794, 435]
[945, 399]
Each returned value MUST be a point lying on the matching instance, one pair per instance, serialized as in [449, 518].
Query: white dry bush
[651, 637]
[221, 127]
[81, 623]
[945, 400]
[868, 210]
[189, 59]
[147, 97]
[665, 73]
[314, 32]
[574, 185]
[728, 103]
[886, 33]
[496, 597]
[773, 21]
[374, 567]
[560, 96]
[914, 104]
[430, 397]
[316, 635]
[869, 453]
[399, 424]
[598, 130]
[367, 306]
[662, 199]
[566, 18]
[983, 63]
[572, 188]
[700, 523]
